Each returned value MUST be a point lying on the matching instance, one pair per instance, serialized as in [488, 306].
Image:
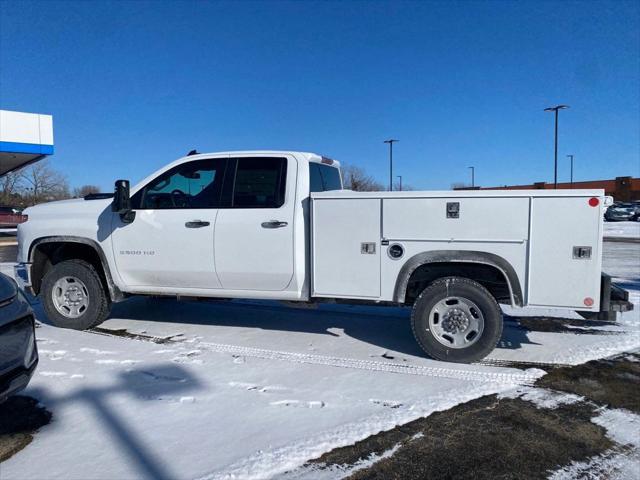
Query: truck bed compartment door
[346, 248]
[565, 253]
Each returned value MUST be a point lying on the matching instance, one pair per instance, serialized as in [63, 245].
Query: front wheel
[73, 296]
[456, 319]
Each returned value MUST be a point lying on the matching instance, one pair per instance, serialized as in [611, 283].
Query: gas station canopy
[24, 138]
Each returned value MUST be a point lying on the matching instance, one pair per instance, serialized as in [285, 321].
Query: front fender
[114, 292]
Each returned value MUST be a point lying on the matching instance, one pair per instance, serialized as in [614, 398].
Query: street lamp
[555, 155]
[473, 176]
[400, 178]
[571, 157]
[390, 142]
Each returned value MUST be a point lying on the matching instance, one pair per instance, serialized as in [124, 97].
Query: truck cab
[278, 225]
[224, 224]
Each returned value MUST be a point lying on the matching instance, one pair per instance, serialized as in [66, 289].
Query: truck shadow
[387, 328]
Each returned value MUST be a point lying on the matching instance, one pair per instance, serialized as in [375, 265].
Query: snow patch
[96, 351]
[621, 229]
[52, 374]
[276, 461]
[613, 465]
[622, 426]
[331, 472]
[542, 397]
[620, 463]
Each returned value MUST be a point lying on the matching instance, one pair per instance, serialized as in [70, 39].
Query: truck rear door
[253, 241]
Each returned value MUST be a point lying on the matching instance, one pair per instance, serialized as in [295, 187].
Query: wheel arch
[439, 259]
[44, 252]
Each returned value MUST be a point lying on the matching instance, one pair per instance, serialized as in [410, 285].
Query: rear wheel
[456, 320]
[73, 295]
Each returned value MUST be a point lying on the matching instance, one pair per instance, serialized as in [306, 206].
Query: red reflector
[588, 301]
[594, 202]
[327, 161]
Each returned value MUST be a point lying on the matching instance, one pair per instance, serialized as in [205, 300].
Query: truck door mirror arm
[122, 201]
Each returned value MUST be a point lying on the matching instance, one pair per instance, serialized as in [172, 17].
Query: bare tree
[10, 185]
[41, 183]
[85, 190]
[355, 178]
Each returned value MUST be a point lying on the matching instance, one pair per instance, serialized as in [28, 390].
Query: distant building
[622, 189]
[24, 138]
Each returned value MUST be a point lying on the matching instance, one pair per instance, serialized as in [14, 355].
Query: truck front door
[254, 232]
[170, 241]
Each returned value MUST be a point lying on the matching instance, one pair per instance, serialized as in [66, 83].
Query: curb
[621, 239]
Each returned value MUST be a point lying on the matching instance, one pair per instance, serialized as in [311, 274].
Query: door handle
[274, 224]
[196, 224]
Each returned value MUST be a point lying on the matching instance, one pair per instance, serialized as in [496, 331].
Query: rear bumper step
[613, 300]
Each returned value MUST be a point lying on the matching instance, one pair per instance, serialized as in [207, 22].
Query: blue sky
[134, 85]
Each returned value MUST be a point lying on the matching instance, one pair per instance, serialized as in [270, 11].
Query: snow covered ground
[622, 229]
[253, 389]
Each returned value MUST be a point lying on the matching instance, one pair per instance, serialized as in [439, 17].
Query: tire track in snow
[525, 377]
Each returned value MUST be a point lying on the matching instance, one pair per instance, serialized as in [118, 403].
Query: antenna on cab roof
[192, 152]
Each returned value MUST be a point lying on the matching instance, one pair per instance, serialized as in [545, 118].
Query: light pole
[555, 155]
[391, 142]
[473, 176]
[400, 178]
[571, 157]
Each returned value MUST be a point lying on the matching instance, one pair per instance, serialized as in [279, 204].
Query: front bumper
[18, 349]
[16, 381]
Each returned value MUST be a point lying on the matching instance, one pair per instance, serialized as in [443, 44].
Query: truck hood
[72, 206]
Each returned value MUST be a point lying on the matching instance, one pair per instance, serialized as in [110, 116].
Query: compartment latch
[368, 248]
[581, 253]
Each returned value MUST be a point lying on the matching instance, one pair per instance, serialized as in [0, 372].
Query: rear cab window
[323, 178]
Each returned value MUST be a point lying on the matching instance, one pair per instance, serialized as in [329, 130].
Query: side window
[195, 184]
[260, 182]
[315, 178]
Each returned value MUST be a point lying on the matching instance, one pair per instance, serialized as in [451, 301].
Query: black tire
[99, 303]
[456, 287]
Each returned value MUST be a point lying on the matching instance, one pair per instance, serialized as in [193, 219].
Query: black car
[620, 212]
[18, 351]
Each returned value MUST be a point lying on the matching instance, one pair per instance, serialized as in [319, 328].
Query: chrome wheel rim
[456, 322]
[70, 297]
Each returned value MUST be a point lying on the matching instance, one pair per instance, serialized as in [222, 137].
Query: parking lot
[256, 389]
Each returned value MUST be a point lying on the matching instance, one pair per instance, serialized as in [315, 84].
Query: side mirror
[122, 202]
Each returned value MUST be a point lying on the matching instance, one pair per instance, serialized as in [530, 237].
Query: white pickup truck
[278, 225]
